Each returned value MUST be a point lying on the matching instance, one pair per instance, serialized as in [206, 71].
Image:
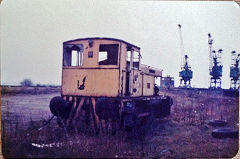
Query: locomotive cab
[105, 67]
[102, 75]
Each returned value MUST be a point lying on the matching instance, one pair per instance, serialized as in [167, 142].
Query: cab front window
[73, 55]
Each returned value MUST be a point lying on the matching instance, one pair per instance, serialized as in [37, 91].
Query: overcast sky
[32, 33]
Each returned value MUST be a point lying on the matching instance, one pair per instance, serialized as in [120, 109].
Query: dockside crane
[215, 65]
[234, 70]
[186, 73]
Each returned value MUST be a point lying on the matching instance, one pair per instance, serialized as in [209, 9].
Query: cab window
[108, 54]
[73, 55]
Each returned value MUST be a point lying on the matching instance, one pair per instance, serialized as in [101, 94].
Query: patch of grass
[184, 134]
[12, 90]
[163, 138]
[18, 142]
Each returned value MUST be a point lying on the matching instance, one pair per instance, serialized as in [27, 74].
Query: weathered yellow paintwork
[137, 84]
[148, 79]
[107, 80]
[99, 82]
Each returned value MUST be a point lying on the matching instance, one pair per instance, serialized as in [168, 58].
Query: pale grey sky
[32, 33]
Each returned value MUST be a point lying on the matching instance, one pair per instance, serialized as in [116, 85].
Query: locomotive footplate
[138, 108]
[129, 111]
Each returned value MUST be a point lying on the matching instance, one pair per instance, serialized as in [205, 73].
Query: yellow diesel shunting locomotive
[103, 80]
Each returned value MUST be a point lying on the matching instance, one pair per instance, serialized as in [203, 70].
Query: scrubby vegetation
[42, 89]
[165, 139]
[26, 82]
[185, 134]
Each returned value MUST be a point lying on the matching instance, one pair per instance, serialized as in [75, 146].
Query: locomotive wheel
[59, 107]
[108, 113]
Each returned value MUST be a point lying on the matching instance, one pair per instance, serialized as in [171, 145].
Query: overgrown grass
[197, 109]
[163, 139]
[18, 142]
[184, 134]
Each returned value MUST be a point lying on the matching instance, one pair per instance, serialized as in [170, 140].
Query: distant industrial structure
[234, 70]
[167, 82]
[186, 73]
[215, 65]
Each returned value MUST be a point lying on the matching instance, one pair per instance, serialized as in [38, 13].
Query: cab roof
[102, 38]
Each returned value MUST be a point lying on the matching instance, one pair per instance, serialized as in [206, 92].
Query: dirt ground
[184, 134]
[26, 107]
